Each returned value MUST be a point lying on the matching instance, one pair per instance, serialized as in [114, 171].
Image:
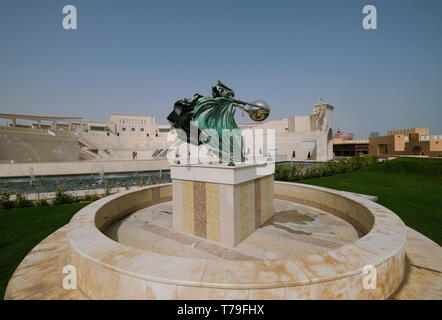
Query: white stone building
[302, 137]
[136, 126]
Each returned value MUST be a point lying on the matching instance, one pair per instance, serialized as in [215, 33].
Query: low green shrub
[21, 201]
[41, 202]
[91, 197]
[5, 202]
[371, 160]
[95, 197]
[332, 168]
[61, 196]
[286, 172]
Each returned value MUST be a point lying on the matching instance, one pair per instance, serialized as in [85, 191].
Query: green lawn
[410, 187]
[22, 229]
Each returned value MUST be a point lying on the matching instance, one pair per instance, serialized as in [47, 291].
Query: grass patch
[22, 229]
[410, 187]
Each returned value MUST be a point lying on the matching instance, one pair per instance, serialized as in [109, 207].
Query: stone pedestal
[221, 203]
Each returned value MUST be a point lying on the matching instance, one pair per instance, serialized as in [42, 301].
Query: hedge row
[288, 172]
[61, 196]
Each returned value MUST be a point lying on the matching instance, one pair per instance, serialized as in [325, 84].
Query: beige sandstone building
[413, 141]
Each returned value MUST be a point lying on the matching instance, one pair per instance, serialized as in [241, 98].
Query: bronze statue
[216, 113]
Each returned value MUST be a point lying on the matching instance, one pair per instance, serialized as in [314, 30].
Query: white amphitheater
[38, 145]
[41, 140]
[73, 142]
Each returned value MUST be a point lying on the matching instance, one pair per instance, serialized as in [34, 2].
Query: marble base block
[221, 203]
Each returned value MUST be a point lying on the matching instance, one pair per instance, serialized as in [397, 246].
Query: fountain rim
[385, 239]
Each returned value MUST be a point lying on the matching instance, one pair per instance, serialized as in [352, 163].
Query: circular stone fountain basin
[315, 247]
[295, 230]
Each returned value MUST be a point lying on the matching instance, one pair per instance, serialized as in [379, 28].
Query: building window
[123, 129]
[132, 129]
[147, 135]
[95, 128]
[141, 129]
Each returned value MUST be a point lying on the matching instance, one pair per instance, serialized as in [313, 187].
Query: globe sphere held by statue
[259, 113]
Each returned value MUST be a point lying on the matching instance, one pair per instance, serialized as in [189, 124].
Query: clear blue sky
[138, 57]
